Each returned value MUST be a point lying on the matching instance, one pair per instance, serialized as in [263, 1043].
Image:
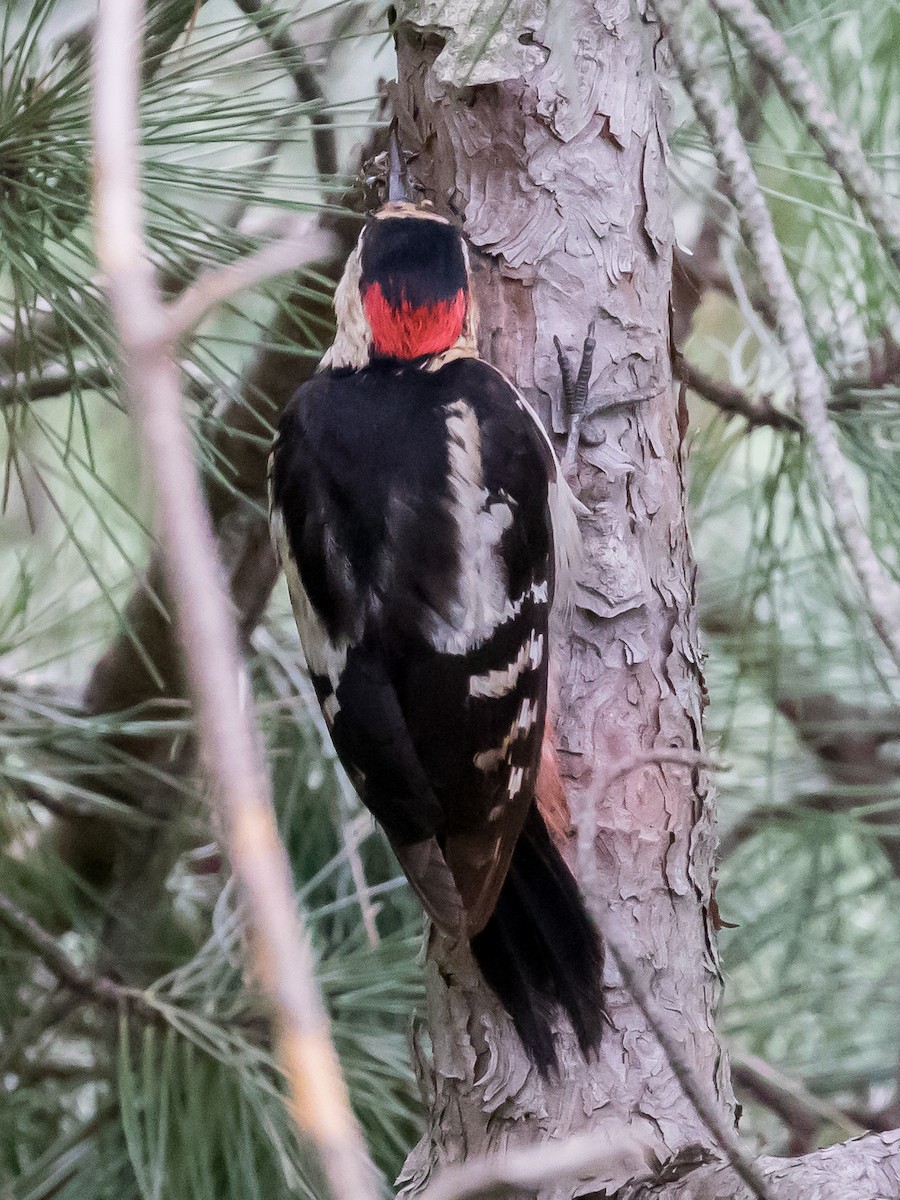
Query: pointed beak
[397, 182]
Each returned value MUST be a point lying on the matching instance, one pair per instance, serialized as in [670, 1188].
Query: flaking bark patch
[554, 160]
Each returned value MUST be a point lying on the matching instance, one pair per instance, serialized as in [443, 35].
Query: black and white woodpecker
[424, 528]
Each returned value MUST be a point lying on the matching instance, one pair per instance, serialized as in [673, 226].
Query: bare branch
[880, 593]
[54, 381]
[841, 149]
[275, 30]
[796, 1105]
[302, 244]
[104, 991]
[705, 1105]
[229, 743]
[675, 757]
[612, 1151]
[733, 401]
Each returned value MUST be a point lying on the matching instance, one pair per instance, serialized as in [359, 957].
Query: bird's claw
[576, 389]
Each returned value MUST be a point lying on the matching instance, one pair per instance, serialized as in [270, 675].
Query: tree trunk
[551, 150]
[554, 158]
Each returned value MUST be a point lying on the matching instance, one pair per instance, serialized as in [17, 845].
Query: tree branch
[301, 245]
[104, 991]
[733, 401]
[53, 382]
[704, 1105]
[848, 741]
[880, 593]
[612, 1152]
[800, 91]
[274, 28]
[798, 1107]
[229, 743]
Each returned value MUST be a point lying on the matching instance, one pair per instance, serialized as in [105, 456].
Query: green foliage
[188, 1100]
[803, 703]
[101, 1101]
[178, 1095]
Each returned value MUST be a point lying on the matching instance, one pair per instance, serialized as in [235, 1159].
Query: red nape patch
[408, 332]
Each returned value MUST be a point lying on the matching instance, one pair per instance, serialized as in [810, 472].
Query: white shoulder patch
[567, 543]
[481, 602]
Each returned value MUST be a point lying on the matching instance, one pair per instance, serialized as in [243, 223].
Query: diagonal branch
[800, 91]
[229, 741]
[274, 29]
[705, 1106]
[302, 244]
[880, 592]
[104, 991]
[732, 401]
[799, 1108]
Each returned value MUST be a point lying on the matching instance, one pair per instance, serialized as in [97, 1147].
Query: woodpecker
[425, 529]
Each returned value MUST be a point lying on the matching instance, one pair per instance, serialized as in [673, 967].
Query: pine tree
[135, 1052]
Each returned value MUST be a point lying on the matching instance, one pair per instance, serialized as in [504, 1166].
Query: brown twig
[841, 149]
[274, 28]
[96, 987]
[229, 743]
[50, 383]
[880, 593]
[733, 401]
[797, 1106]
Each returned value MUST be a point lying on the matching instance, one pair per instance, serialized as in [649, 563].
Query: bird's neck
[407, 331]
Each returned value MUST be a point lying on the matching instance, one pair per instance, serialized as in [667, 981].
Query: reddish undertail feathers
[409, 331]
[550, 793]
[425, 528]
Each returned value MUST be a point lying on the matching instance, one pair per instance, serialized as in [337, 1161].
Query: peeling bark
[866, 1168]
[553, 156]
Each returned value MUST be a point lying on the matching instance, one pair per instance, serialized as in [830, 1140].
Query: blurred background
[149, 1073]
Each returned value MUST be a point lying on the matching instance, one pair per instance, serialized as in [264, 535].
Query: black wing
[411, 508]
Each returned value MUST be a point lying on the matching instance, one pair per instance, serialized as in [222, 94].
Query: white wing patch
[567, 544]
[501, 682]
[481, 602]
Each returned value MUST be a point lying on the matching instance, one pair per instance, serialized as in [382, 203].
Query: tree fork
[553, 157]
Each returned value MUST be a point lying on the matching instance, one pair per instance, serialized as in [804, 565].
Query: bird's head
[405, 290]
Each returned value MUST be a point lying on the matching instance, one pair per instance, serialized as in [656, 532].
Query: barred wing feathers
[412, 512]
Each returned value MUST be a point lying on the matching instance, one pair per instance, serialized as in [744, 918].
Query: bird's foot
[576, 387]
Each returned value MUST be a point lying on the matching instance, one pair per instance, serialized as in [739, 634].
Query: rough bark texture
[553, 155]
[866, 1168]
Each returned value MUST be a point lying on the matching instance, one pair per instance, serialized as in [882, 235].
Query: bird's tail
[540, 952]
